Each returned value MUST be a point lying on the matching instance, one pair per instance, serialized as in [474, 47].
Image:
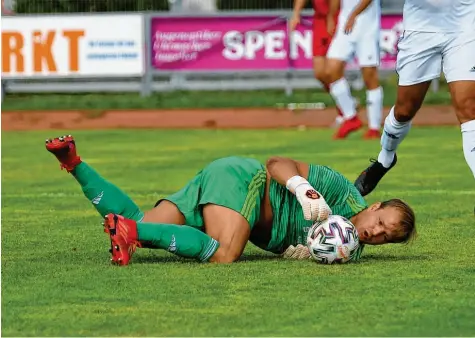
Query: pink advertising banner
[247, 43]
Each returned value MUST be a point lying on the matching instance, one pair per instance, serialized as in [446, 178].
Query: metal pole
[176, 79]
[3, 91]
[435, 85]
[147, 78]
[290, 71]
[176, 5]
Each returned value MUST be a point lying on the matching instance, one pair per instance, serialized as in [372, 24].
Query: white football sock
[468, 138]
[339, 119]
[341, 93]
[374, 104]
[393, 134]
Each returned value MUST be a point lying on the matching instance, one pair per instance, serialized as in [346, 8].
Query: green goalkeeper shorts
[234, 182]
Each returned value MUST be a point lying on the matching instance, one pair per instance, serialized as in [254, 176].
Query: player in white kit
[439, 35]
[357, 34]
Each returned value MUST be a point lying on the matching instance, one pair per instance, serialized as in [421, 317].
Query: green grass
[193, 100]
[57, 281]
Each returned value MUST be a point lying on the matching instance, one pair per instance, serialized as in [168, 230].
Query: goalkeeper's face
[382, 224]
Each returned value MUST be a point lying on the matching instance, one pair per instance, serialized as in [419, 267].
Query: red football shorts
[321, 38]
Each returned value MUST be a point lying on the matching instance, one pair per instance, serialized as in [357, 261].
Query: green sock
[182, 240]
[105, 196]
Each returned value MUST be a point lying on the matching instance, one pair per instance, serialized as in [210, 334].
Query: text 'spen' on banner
[247, 43]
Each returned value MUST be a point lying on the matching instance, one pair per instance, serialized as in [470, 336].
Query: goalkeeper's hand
[314, 206]
[297, 252]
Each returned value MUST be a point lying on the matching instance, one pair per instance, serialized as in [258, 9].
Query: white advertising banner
[96, 45]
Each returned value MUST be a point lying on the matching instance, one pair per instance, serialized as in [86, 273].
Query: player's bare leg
[109, 199]
[165, 212]
[225, 237]
[341, 92]
[396, 127]
[463, 100]
[184, 241]
[319, 65]
[158, 231]
[229, 228]
[374, 102]
[319, 69]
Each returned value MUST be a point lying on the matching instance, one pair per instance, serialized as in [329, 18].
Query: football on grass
[333, 241]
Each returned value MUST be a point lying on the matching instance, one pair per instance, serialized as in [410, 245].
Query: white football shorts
[365, 47]
[423, 55]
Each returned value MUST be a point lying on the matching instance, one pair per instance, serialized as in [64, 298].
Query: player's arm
[293, 175]
[295, 20]
[298, 6]
[362, 5]
[333, 8]
[281, 169]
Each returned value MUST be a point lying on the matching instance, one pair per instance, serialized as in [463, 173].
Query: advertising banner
[246, 43]
[96, 45]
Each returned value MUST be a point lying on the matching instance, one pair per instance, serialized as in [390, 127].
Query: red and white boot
[64, 148]
[372, 134]
[348, 127]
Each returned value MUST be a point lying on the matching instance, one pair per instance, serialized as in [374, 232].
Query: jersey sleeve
[357, 254]
[339, 193]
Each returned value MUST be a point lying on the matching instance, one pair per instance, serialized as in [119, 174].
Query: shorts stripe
[254, 190]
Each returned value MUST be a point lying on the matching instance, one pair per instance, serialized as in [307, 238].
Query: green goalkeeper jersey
[289, 226]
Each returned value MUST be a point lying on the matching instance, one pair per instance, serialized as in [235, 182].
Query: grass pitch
[57, 281]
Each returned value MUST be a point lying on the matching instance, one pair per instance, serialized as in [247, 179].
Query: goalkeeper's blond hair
[407, 222]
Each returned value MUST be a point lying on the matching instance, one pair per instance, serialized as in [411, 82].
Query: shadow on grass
[394, 258]
[152, 259]
[368, 259]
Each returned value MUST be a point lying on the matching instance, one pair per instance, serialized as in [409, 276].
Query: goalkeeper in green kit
[234, 200]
